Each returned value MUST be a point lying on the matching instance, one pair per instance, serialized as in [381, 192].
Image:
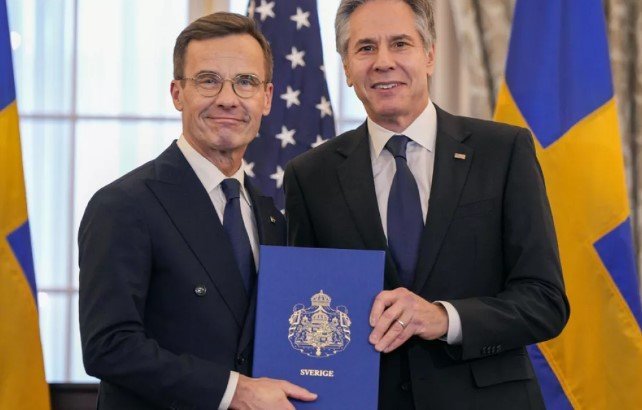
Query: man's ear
[176, 91]
[430, 60]
[347, 73]
[267, 103]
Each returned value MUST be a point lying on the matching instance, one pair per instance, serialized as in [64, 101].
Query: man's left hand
[399, 314]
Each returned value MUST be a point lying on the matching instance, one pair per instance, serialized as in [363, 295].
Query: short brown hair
[216, 25]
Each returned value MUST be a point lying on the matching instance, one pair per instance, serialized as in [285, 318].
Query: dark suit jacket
[164, 315]
[489, 248]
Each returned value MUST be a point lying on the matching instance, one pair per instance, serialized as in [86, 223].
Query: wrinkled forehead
[227, 56]
[379, 21]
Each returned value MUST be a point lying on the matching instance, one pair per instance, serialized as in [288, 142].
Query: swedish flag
[558, 84]
[22, 378]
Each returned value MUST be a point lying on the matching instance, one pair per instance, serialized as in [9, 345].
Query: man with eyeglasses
[168, 253]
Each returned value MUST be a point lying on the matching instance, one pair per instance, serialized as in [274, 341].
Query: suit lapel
[183, 197]
[449, 177]
[266, 215]
[357, 185]
[270, 233]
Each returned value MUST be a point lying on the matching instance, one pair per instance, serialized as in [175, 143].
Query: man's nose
[227, 97]
[384, 60]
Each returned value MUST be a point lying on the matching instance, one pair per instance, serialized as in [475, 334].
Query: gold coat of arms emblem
[319, 330]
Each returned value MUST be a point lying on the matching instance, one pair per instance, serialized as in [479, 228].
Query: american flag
[301, 116]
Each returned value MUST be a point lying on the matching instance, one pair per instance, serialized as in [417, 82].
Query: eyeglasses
[210, 85]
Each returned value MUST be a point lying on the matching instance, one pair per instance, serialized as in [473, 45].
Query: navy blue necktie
[405, 219]
[235, 228]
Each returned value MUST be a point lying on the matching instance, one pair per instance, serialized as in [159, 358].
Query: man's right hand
[267, 393]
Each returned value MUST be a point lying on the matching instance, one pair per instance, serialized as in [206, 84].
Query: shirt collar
[209, 175]
[423, 131]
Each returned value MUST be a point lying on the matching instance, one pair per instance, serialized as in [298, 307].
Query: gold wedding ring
[401, 323]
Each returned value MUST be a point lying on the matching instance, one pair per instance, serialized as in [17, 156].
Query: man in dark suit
[168, 252]
[472, 268]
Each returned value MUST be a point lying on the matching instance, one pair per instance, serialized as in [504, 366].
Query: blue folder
[312, 323]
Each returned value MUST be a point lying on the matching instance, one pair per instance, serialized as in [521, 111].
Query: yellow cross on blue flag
[558, 84]
[22, 375]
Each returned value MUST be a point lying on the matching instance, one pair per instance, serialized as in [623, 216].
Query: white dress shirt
[420, 155]
[211, 178]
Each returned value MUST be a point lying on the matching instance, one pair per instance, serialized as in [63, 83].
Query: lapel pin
[459, 155]
[272, 219]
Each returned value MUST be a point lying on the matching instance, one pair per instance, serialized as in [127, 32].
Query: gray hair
[424, 22]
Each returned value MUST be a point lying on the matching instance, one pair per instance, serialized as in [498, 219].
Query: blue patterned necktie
[405, 219]
[235, 228]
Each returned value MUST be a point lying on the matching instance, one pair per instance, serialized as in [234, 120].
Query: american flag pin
[459, 155]
[272, 219]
